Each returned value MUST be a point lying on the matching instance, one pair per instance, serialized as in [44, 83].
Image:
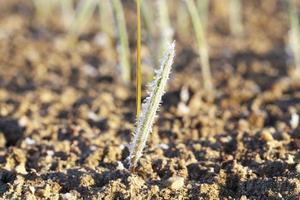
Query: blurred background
[220, 33]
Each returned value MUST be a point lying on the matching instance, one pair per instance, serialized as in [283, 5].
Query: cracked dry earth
[66, 120]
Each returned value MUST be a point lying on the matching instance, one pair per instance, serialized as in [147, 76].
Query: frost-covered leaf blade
[151, 105]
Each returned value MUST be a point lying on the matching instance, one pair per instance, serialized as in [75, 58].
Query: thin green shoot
[203, 7]
[138, 61]
[44, 9]
[124, 51]
[182, 22]
[235, 18]
[84, 11]
[148, 16]
[166, 31]
[68, 12]
[150, 106]
[147, 12]
[106, 18]
[294, 34]
[202, 44]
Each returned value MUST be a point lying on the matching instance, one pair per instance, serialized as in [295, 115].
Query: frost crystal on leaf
[150, 106]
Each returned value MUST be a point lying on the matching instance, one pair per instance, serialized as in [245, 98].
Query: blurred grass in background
[192, 23]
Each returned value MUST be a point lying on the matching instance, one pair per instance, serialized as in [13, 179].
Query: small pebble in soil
[294, 122]
[23, 121]
[120, 166]
[29, 141]
[298, 168]
[163, 146]
[67, 196]
[266, 136]
[32, 189]
[290, 159]
[89, 70]
[182, 109]
[175, 182]
[86, 180]
[184, 94]
[21, 169]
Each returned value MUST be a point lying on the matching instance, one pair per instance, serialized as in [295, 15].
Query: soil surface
[66, 118]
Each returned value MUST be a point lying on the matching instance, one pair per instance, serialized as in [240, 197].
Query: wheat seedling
[148, 16]
[107, 31]
[294, 34]
[106, 18]
[44, 9]
[203, 7]
[68, 12]
[182, 22]
[150, 106]
[202, 44]
[165, 29]
[138, 60]
[148, 13]
[235, 17]
[123, 39]
[83, 13]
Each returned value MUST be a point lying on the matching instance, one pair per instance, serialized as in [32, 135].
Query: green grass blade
[150, 106]
[138, 60]
[294, 34]
[235, 17]
[202, 44]
[124, 51]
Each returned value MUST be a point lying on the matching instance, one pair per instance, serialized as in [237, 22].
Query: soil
[66, 118]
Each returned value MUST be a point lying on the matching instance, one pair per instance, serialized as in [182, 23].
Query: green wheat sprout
[166, 31]
[294, 34]
[202, 44]
[106, 18]
[235, 17]
[84, 12]
[124, 51]
[150, 106]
